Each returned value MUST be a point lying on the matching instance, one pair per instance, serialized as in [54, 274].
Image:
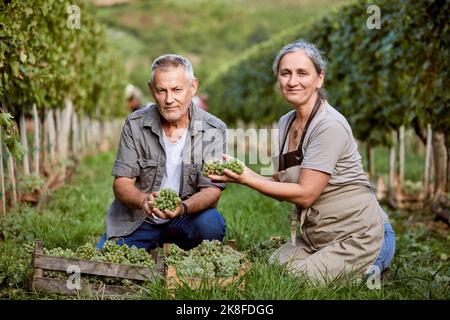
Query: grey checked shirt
[141, 155]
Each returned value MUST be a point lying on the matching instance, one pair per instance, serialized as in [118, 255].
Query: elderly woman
[342, 226]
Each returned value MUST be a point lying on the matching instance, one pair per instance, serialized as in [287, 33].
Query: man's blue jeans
[187, 232]
[388, 249]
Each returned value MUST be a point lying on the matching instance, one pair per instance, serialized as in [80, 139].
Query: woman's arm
[309, 187]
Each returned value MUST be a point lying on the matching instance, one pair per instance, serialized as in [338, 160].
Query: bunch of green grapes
[209, 259]
[140, 257]
[167, 199]
[29, 247]
[217, 167]
[189, 267]
[263, 249]
[111, 252]
[59, 252]
[227, 261]
[114, 253]
[213, 167]
[175, 255]
[87, 251]
[228, 265]
[234, 165]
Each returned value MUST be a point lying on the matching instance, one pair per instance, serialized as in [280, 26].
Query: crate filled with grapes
[113, 271]
[210, 264]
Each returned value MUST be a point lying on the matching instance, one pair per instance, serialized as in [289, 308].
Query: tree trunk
[64, 133]
[447, 146]
[58, 136]
[2, 180]
[75, 137]
[448, 164]
[421, 133]
[440, 164]
[37, 144]
[87, 134]
[84, 134]
[44, 144]
[11, 177]
[24, 140]
[65, 129]
[51, 136]
[401, 176]
[370, 161]
[392, 162]
[426, 182]
[393, 171]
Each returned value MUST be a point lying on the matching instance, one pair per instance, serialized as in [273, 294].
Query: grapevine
[406, 82]
[11, 136]
[43, 61]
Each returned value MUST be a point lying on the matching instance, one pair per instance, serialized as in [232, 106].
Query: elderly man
[164, 146]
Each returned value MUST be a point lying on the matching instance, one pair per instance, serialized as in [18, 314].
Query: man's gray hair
[311, 51]
[172, 60]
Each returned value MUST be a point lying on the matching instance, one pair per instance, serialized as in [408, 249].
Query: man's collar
[154, 120]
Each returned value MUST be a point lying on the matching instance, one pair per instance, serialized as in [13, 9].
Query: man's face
[172, 93]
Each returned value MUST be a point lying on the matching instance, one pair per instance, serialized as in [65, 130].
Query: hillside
[209, 33]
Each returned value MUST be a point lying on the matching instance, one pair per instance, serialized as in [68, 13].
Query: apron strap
[308, 122]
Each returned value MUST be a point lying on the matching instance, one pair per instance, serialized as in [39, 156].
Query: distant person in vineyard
[134, 97]
[342, 226]
[201, 101]
[164, 146]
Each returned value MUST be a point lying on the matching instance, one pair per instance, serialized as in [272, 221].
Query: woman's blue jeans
[187, 231]
[387, 250]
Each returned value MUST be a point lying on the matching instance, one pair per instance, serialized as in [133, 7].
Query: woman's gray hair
[172, 60]
[311, 51]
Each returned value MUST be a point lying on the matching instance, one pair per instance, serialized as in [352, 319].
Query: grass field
[75, 215]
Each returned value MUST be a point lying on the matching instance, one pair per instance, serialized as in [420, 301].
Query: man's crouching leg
[146, 236]
[189, 231]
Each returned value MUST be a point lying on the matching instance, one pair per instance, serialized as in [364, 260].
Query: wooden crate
[43, 262]
[172, 280]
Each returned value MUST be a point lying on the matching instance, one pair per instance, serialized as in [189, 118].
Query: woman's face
[298, 79]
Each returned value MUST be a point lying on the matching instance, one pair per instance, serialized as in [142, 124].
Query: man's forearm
[129, 195]
[202, 200]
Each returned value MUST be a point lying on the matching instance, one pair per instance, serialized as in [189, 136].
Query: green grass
[76, 212]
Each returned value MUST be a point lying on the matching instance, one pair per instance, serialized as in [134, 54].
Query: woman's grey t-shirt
[330, 147]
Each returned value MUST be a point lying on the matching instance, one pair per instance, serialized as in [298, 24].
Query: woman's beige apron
[341, 232]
